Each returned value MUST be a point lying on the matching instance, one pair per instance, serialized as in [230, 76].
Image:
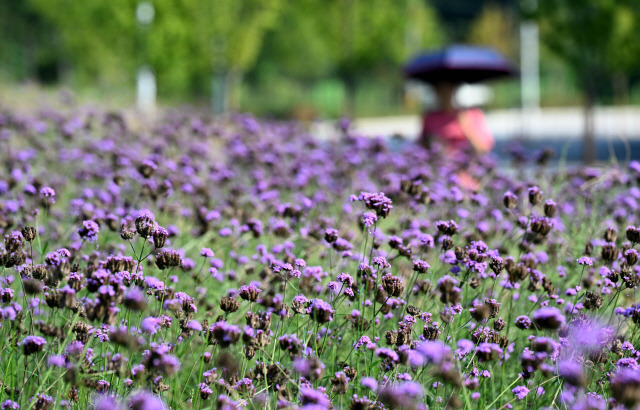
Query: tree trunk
[225, 90]
[350, 96]
[589, 142]
[620, 89]
[234, 90]
[219, 95]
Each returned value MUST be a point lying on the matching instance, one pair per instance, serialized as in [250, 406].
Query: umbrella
[459, 64]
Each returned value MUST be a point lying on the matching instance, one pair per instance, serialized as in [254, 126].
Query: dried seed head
[593, 301]
[392, 285]
[29, 233]
[413, 311]
[609, 252]
[145, 225]
[391, 337]
[160, 237]
[510, 200]
[588, 249]
[633, 234]
[431, 332]
[168, 259]
[147, 168]
[340, 383]
[610, 235]
[549, 208]
[535, 195]
[480, 313]
[631, 256]
[331, 235]
[33, 286]
[229, 305]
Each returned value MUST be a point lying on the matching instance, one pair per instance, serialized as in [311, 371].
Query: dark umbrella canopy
[459, 64]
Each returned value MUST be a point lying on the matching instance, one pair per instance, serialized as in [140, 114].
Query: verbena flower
[520, 391]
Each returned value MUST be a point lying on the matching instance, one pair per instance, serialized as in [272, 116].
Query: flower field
[242, 263]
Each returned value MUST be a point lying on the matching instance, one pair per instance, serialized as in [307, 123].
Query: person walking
[456, 129]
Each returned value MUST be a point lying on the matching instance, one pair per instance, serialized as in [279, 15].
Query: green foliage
[495, 27]
[97, 35]
[186, 40]
[262, 41]
[366, 34]
[595, 37]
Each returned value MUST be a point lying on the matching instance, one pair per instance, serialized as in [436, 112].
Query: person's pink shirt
[449, 129]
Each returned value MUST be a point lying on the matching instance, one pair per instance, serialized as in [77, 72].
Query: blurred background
[323, 59]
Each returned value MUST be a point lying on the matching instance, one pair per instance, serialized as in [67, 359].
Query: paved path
[619, 123]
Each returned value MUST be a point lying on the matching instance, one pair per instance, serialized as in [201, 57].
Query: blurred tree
[96, 35]
[305, 41]
[365, 35]
[458, 16]
[187, 40]
[228, 36]
[598, 39]
[28, 44]
[314, 41]
[296, 44]
[295, 58]
[495, 26]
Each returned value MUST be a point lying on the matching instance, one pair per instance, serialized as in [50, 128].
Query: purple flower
[9, 405]
[590, 401]
[548, 318]
[420, 266]
[509, 199]
[249, 292]
[377, 202]
[135, 299]
[523, 322]
[464, 347]
[224, 334]
[405, 395]
[144, 400]
[150, 325]
[369, 219]
[89, 231]
[385, 353]
[75, 348]
[333, 287]
[205, 391]
[628, 362]
[434, 351]
[194, 325]
[520, 392]
[320, 311]
[48, 194]
[42, 401]
[585, 261]
[57, 361]
[572, 372]
[105, 401]
[346, 279]
[309, 396]
[625, 387]
[33, 344]
[370, 383]
[207, 253]
[488, 351]
[169, 364]
[366, 342]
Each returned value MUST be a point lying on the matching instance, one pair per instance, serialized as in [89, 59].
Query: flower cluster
[233, 262]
